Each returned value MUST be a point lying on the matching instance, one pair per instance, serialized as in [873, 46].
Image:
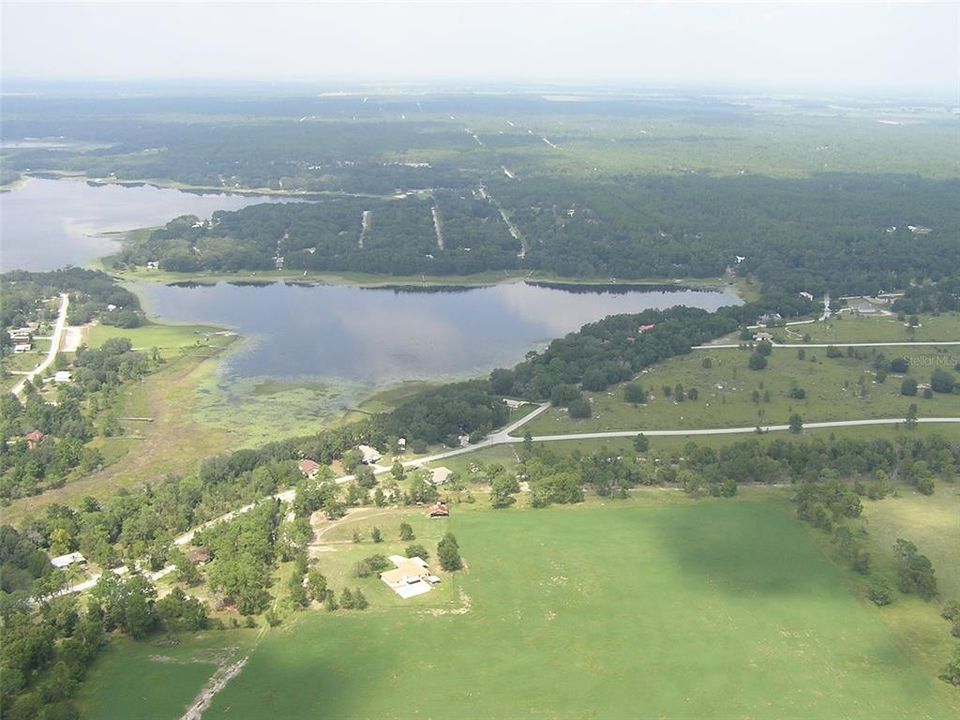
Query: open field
[155, 680]
[832, 385]
[882, 328]
[651, 607]
[932, 522]
[153, 335]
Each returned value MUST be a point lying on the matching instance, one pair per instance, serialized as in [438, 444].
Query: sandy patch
[465, 604]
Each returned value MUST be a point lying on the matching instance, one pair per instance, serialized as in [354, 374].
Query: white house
[21, 348]
[411, 577]
[370, 455]
[64, 561]
[63, 376]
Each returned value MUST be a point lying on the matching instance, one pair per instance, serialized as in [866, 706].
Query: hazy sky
[806, 46]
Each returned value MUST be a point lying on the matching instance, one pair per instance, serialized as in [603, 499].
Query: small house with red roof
[33, 439]
[438, 510]
[309, 468]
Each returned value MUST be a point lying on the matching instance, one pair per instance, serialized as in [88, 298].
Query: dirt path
[215, 684]
[364, 227]
[437, 226]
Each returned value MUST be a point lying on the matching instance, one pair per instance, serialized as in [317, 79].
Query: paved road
[54, 345]
[730, 431]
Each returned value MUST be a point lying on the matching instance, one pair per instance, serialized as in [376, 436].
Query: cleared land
[879, 328]
[726, 391]
[162, 337]
[155, 680]
[651, 608]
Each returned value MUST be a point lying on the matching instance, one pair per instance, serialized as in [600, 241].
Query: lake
[47, 224]
[309, 351]
[380, 336]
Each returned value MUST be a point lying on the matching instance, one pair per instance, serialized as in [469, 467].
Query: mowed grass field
[832, 385]
[156, 680]
[153, 335]
[656, 607]
[848, 328]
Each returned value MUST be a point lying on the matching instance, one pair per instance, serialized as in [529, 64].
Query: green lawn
[726, 390]
[156, 680]
[649, 608]
[164, 337]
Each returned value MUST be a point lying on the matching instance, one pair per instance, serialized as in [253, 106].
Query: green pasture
[641, 609]
[932, 522]
[163, 337]
[848, 328]
[832, 385]
[156, 680]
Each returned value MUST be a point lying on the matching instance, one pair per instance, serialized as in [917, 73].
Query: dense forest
[941, 296]
[839, 233]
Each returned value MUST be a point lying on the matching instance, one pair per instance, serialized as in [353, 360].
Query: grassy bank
[380, 280]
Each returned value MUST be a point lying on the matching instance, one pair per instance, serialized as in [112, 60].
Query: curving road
[55, 341]
[503, 437]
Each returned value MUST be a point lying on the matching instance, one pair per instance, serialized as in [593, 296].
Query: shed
[439, 510]
[200, 556]
[441, 475]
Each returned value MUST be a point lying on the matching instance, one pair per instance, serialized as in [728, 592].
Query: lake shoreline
[414, 283]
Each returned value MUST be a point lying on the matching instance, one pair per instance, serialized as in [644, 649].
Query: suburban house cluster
[22, 338]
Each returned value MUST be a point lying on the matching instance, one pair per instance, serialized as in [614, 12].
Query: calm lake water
[347, 335]
[47, 224]
[378, 336]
